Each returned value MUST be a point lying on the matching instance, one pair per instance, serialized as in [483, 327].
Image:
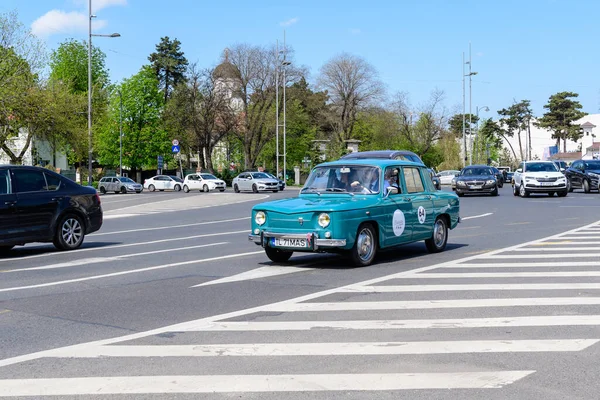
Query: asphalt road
[127, 305]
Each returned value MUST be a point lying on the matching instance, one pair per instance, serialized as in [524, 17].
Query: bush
[226, 175]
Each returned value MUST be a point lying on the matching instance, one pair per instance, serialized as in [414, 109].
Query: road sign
[175, 142]
[160, 162]
[175, 148]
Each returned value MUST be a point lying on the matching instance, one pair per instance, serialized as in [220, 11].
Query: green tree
[562, 112]
[455, 123]
[492, 135]
[69, 64]
[144, 137]
[169, 64]
[517, 119]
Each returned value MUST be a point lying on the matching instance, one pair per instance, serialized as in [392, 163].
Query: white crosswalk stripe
[324, 330]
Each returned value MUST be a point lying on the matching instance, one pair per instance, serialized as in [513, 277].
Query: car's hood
[215, 180]
[594, 171]
[267, 181]
[475, 177]
[544, 174]
[325, 202]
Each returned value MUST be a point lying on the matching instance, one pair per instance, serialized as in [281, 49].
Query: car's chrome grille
[475, 183]
[546, 179]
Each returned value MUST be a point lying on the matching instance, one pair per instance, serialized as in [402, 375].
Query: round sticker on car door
[398, 222]
[422, 214]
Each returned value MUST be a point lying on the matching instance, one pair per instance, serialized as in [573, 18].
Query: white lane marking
[119, 246]
[528, 265]
[257, 383]
[550, 248]
[159, 228]
[457, 323]
[258, 273]
[183, 326]
[460, 275]
[338, 349]
[133, 271]
[580, 236]
[96, 260]
[476, 216]
[107, 217]
[521, 256]
[434, 304]
[473, 287]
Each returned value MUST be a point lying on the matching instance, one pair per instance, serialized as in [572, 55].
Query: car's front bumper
[314, 241]
[469, 189]
[533, 187]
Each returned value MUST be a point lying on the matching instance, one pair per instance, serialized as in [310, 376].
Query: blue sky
[527, 49]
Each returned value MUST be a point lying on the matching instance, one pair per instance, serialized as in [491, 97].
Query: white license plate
[283, 242]
[476, 187]
[547, 183]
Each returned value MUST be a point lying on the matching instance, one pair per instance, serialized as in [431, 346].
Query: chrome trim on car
[330, 242]
[258, 239]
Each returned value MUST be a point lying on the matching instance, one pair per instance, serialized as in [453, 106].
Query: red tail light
[98, 198]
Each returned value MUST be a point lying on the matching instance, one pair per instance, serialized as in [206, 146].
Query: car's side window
[412, 178]
[29, 180]
[4, 182]
[390, 177]
[52, 182]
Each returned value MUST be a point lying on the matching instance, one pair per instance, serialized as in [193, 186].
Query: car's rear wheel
[177, 188]
[102, 190]
[255, 188]
[494, 192]
[365, 246]
[522, 191]
[586, 186]
[205, 189]
[562, 194]
[186, 188]
[123, 189]
[236, 188]
[277, 255]
[151, 188]
[437, 242]
[69, 233]
[515, 190]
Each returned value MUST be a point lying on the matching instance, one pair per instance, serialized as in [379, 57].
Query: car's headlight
[324, 220]
[491, 181]
[460, 183]
[527, 178]
[260, 218]
[594, 175]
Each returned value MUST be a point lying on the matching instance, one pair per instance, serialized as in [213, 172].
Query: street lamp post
[113, 35]
[486, 109]
[470, 74]
[120, 133]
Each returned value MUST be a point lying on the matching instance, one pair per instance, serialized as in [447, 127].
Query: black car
[499, 176]
[583, 174]
[436, 179]
[509, 177]
[38, 205]
[387, 154]
[476, 179]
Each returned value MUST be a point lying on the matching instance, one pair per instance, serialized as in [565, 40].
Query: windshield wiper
[312, 189]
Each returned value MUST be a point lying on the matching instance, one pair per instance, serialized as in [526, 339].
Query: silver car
[118, 185]
[255, 181]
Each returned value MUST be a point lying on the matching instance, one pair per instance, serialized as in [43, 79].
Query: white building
[40, 152]
[590, 141]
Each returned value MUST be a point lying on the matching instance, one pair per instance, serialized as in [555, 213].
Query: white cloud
[98, 5]
[58, 21]
[289, 22]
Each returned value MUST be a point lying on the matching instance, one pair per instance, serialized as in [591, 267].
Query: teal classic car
[357, 207]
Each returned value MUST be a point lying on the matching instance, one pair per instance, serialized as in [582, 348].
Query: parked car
[499, 177]
[435, 179]
[476, 179]
[119, 185]
[38, 205]
[562, 165]
[204, 182]
[539, 177]
[255, 181]
[384, 154]
[509, 177]
[447, 176]
[163, 182]
[357, 207]
[583, 174]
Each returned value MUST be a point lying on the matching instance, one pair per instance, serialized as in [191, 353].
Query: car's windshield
[541, 167]
[592, 165]
[477, 171]
[175, 178]
[338, 178]
[127, 180]
[208, 176]
[260, 175]
[270, 175]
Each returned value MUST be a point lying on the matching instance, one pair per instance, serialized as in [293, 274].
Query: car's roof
[479, 166]
[384, 154]
[378, 162]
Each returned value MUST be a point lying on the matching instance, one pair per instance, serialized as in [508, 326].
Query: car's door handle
[10, 203]
[407, 199]
[57, 198]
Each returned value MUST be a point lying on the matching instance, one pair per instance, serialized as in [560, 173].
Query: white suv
[539, 177]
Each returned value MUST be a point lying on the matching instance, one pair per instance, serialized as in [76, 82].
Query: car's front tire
[123, 190]
[494, 192]
[70, 232]
[562, 194]
[515, 190]
[365, 246]
[102, 190]
[277, 255]
[437, 242]
[255, 188]
[569, 186]
[151, 188]
[177, 188]
[236, 188]
[522, 191]
[186, 188]
[586, 186]
[205, 189]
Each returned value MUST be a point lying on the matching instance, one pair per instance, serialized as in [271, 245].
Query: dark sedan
[38, 205]
[583, 174]
[476, 179]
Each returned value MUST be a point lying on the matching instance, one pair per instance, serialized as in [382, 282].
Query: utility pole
[277, 108]
[470, 104]
[463, 113]
[120, 133]
[285, 64]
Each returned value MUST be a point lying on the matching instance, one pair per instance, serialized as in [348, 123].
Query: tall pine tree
[169, 64]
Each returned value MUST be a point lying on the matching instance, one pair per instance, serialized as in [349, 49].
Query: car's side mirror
[456, 175]
[519, 170]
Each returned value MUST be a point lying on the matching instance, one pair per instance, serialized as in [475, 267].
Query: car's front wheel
[569, 186]
[515, 190]
[177, 188]
[255, 188]
[69, 233]
[437, 242]
[151, 188]
[494, 192]
[365, 246]
[562, 194]
[236, 188]
[277, 255]
[586, 186]
[123, 190]
[522, 191]
[102, 190]
[186, 188]
[205, 189]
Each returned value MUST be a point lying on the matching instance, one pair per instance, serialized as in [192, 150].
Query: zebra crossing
[432, 329]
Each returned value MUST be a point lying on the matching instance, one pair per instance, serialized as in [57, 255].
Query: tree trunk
[209, 163]
[520, 144]
[565, 144]
[529, 137]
